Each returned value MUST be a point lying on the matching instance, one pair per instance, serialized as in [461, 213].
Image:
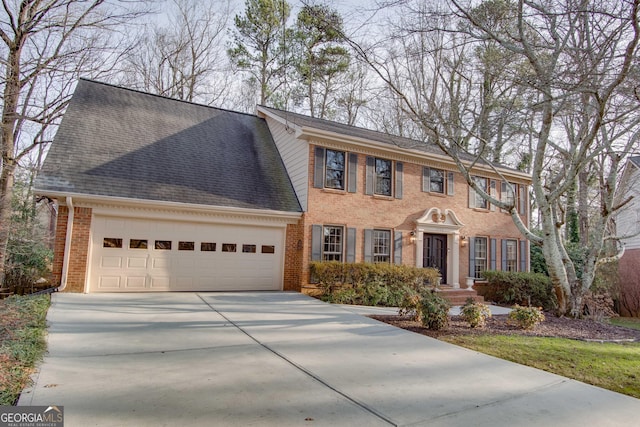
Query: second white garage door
[134, 255]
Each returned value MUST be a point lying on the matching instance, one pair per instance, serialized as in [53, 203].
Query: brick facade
[335, 207]
[78, 256]
[361, 211]
[293, 257]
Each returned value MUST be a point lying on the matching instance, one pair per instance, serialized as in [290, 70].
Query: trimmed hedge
[369, 284]
[521, 288]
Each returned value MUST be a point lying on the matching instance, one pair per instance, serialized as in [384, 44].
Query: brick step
[459, 296]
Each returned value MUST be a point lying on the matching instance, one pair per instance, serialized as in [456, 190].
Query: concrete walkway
[203, 359]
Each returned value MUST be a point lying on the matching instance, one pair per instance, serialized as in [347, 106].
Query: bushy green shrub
[518, 288]
[525, 317]
[434, 310]
[369, 284]
[475, 313]
[344, 296]
[27, 262]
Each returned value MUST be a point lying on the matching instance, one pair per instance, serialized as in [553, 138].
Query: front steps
[457, 296]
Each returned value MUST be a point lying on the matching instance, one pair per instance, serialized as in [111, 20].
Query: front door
[435, 253]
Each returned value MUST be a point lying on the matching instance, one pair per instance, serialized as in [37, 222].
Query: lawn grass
[614, 366]
[627, 322]
[22, 342]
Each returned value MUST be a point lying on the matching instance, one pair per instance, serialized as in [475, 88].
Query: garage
[139, 255]
[156, 194]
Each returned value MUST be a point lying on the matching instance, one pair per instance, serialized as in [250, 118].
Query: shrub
[519, 288]
[475, 313]
[525, 317]
[327, 275]
[434, 310]
[27, 262]
[369, 284]
[344, 296]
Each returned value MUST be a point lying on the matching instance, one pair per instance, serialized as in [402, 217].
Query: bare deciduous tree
[185, 57]
[45, 47]
[573, 59]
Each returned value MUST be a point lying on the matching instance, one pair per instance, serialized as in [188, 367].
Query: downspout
[67, 246]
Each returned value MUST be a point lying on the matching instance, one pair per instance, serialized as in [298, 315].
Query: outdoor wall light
[412, 237]
[463, 241]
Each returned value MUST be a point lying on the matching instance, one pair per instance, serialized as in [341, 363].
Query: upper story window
[475, 200]
[383, 173]
[507, 194]
[384, 177]
[514, 195]
[437, 181]
[334, 169]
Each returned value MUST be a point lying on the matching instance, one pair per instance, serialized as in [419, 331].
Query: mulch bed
[561, 327]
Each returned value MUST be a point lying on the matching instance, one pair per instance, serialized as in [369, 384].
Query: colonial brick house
[157, 194]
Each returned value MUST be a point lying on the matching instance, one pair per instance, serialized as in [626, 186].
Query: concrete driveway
[203, 359]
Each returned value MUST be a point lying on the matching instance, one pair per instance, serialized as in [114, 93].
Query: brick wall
[79, 248]
[629, 283]
[293, 257]
[335, 207]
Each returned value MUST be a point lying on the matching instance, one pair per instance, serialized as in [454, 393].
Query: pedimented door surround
[437, 221]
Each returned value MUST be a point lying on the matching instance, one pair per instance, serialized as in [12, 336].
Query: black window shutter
[523, 255]
[351, 245]
[399, 170]
[493, 192]
[472, 257]
[368, 245]
[316, 243]
[318, 168]
[504, 255]
[450, 186]
[472, 197]
[397, 247]
[370, 173]
[493, 254]
[523, 199]
[352, 185]
[426, 180]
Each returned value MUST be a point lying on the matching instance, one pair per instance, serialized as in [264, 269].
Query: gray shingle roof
[635, 160]
[344, 129]
[124, 143]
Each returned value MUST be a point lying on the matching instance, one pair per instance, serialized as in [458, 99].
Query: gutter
[67, 246]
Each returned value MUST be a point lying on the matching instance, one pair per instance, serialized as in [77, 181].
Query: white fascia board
[261, 112]
[111, 204]
[309, 133]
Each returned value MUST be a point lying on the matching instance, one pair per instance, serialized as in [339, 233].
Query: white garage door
[136, 255]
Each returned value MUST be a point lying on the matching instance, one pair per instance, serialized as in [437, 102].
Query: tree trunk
[554, 258]
[6, 189]
[7, 141]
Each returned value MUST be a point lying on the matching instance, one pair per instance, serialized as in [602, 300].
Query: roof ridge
[141, 92]
[344, 124]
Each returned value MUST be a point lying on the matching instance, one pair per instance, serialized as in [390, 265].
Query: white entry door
[134, 255]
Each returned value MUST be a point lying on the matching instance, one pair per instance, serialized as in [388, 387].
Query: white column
[419, 247]
[455, 260]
